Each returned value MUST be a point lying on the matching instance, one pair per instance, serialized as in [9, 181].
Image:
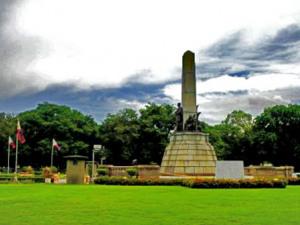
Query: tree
[128, 135]
[276, 135]
[225, 139]
[75, 132]
[240, 119]
[232, 138]
[119, 135]
[156, 122]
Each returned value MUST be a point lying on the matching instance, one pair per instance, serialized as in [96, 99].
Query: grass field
[154, 205]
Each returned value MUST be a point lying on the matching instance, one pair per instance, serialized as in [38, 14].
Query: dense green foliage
[141, 136]
[276, 135]
[273, 136]
[75, 132]
[232, 138]
[128, 135]
[102, 171]
[42, 204]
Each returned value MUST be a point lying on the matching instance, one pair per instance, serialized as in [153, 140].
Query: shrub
[46, 171]
[5, 175]
[195, 183]
[133, 181]
[132, 172]
[294, 181]
[102, 171]
[38, 172]
[53, 169]
[8, 178]
[231, 183]
[37, 179]
[27, 169]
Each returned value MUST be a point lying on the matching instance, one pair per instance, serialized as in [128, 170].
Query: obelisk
[188, 88]
[189, 152]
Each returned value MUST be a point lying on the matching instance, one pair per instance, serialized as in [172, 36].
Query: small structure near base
[233, 169]
[76, 169]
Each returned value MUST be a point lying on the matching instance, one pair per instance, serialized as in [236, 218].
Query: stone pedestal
[189, 154]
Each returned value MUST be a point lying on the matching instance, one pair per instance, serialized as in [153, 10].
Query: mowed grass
[154, 205]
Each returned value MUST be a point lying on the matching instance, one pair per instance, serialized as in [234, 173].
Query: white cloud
[257, 83]
[124, 103]
[260, 91]
[103, 43]
[94, 43]
[216, 109]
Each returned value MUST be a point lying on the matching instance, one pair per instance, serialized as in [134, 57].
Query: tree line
[142, 135]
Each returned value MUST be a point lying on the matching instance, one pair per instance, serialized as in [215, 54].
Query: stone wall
[269, 171]
[144, 171]
[148, 171]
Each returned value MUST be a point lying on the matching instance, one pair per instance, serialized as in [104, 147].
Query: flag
[20, 135]
[55, 144]
[11, 143]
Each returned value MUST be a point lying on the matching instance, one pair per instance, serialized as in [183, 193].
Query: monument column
[188, 92]
[189, 152]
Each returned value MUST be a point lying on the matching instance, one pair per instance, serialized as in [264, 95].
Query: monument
[189, 152]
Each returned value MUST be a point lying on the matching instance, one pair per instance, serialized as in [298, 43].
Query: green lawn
[121, 205]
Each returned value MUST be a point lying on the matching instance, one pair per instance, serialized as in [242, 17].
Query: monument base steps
[189, 154]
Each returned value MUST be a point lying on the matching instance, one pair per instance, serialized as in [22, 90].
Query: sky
[102, 56]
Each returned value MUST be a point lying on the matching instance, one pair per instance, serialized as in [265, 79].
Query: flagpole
[16, 163]
[8, 155]
[52, 155]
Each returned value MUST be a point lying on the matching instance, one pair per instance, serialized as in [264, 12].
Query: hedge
[196, 183]
[8, 178]
[133, 181]
[102, 171]
[230, 183]
[294, 181]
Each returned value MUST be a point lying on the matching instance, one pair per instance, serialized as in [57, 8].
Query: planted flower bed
[196, 183]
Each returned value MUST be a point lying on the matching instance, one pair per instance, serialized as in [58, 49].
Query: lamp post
[95, 149]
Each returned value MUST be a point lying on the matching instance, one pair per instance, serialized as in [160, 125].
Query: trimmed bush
[102, 171]
[53, 169]
[132, 172]
[197, 183]
[8, 178]
[230, 183]
[46, 171]
[133, 181]
[294, 181]
[27, 169]
[5, 175]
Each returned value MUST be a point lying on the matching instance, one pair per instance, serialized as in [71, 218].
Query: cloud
[17, 52]
[117, 54]
[234, 56]
[113, 43]
[235, 74]
[216, 107]
[95, 102]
